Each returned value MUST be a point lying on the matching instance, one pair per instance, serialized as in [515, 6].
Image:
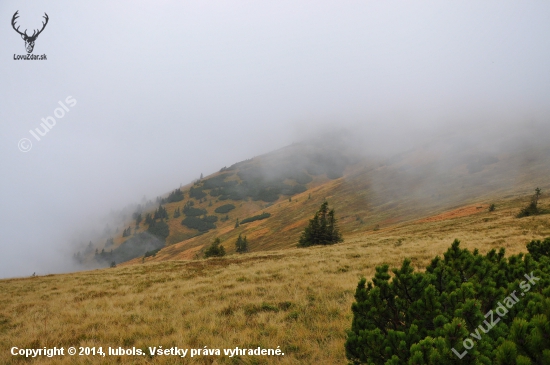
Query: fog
[156, 93]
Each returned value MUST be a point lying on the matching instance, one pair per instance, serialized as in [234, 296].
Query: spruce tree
[322, 229]
[160, 213]
[215, 250]
[532, 208]
[148, 219]
[241, 244]
[159, 229]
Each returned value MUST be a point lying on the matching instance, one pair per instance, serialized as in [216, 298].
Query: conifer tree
[241, 244]
[161, 213]
[159, 229]
[322, 229]
[109, 242]
[148, 219]
[89, 248]
[532, 208]
[215, 250]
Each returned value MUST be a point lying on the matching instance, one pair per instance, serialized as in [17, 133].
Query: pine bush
[466, 308]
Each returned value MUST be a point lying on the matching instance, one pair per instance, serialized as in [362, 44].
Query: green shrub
[209, 218]
[219, 182]
[297, 189]
[201, 224]
[268, 194]
[196, 192]
[193, 212]
[152, 253]
[175, 196]
[224, 208]
[254, 184]
[453, 313]
[255, 218]
[159, 229]
[134, 247]
[538, 248]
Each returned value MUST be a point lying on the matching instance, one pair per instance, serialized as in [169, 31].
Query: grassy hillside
[412, 205]
[367, 193]
[298, 299]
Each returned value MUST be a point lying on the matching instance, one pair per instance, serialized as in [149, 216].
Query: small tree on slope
[215, 250]
[322, 229]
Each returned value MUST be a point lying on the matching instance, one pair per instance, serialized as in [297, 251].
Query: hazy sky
[165, 90]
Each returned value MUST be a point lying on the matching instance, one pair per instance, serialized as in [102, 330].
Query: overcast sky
[165, 90]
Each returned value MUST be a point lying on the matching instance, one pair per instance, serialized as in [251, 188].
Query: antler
[34, 34]
[15, 16]
[43, 25]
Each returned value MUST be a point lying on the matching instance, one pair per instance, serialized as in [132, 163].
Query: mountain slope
[297, 299]
[367, 193]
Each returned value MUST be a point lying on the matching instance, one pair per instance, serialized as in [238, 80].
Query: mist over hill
[340, 181]
[367, 189]
[167, 91]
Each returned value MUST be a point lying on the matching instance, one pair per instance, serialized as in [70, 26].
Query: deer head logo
[29, 40]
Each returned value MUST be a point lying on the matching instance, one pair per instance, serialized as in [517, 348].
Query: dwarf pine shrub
[465, 308]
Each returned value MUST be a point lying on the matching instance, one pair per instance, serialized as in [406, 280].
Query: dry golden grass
[298, 299]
